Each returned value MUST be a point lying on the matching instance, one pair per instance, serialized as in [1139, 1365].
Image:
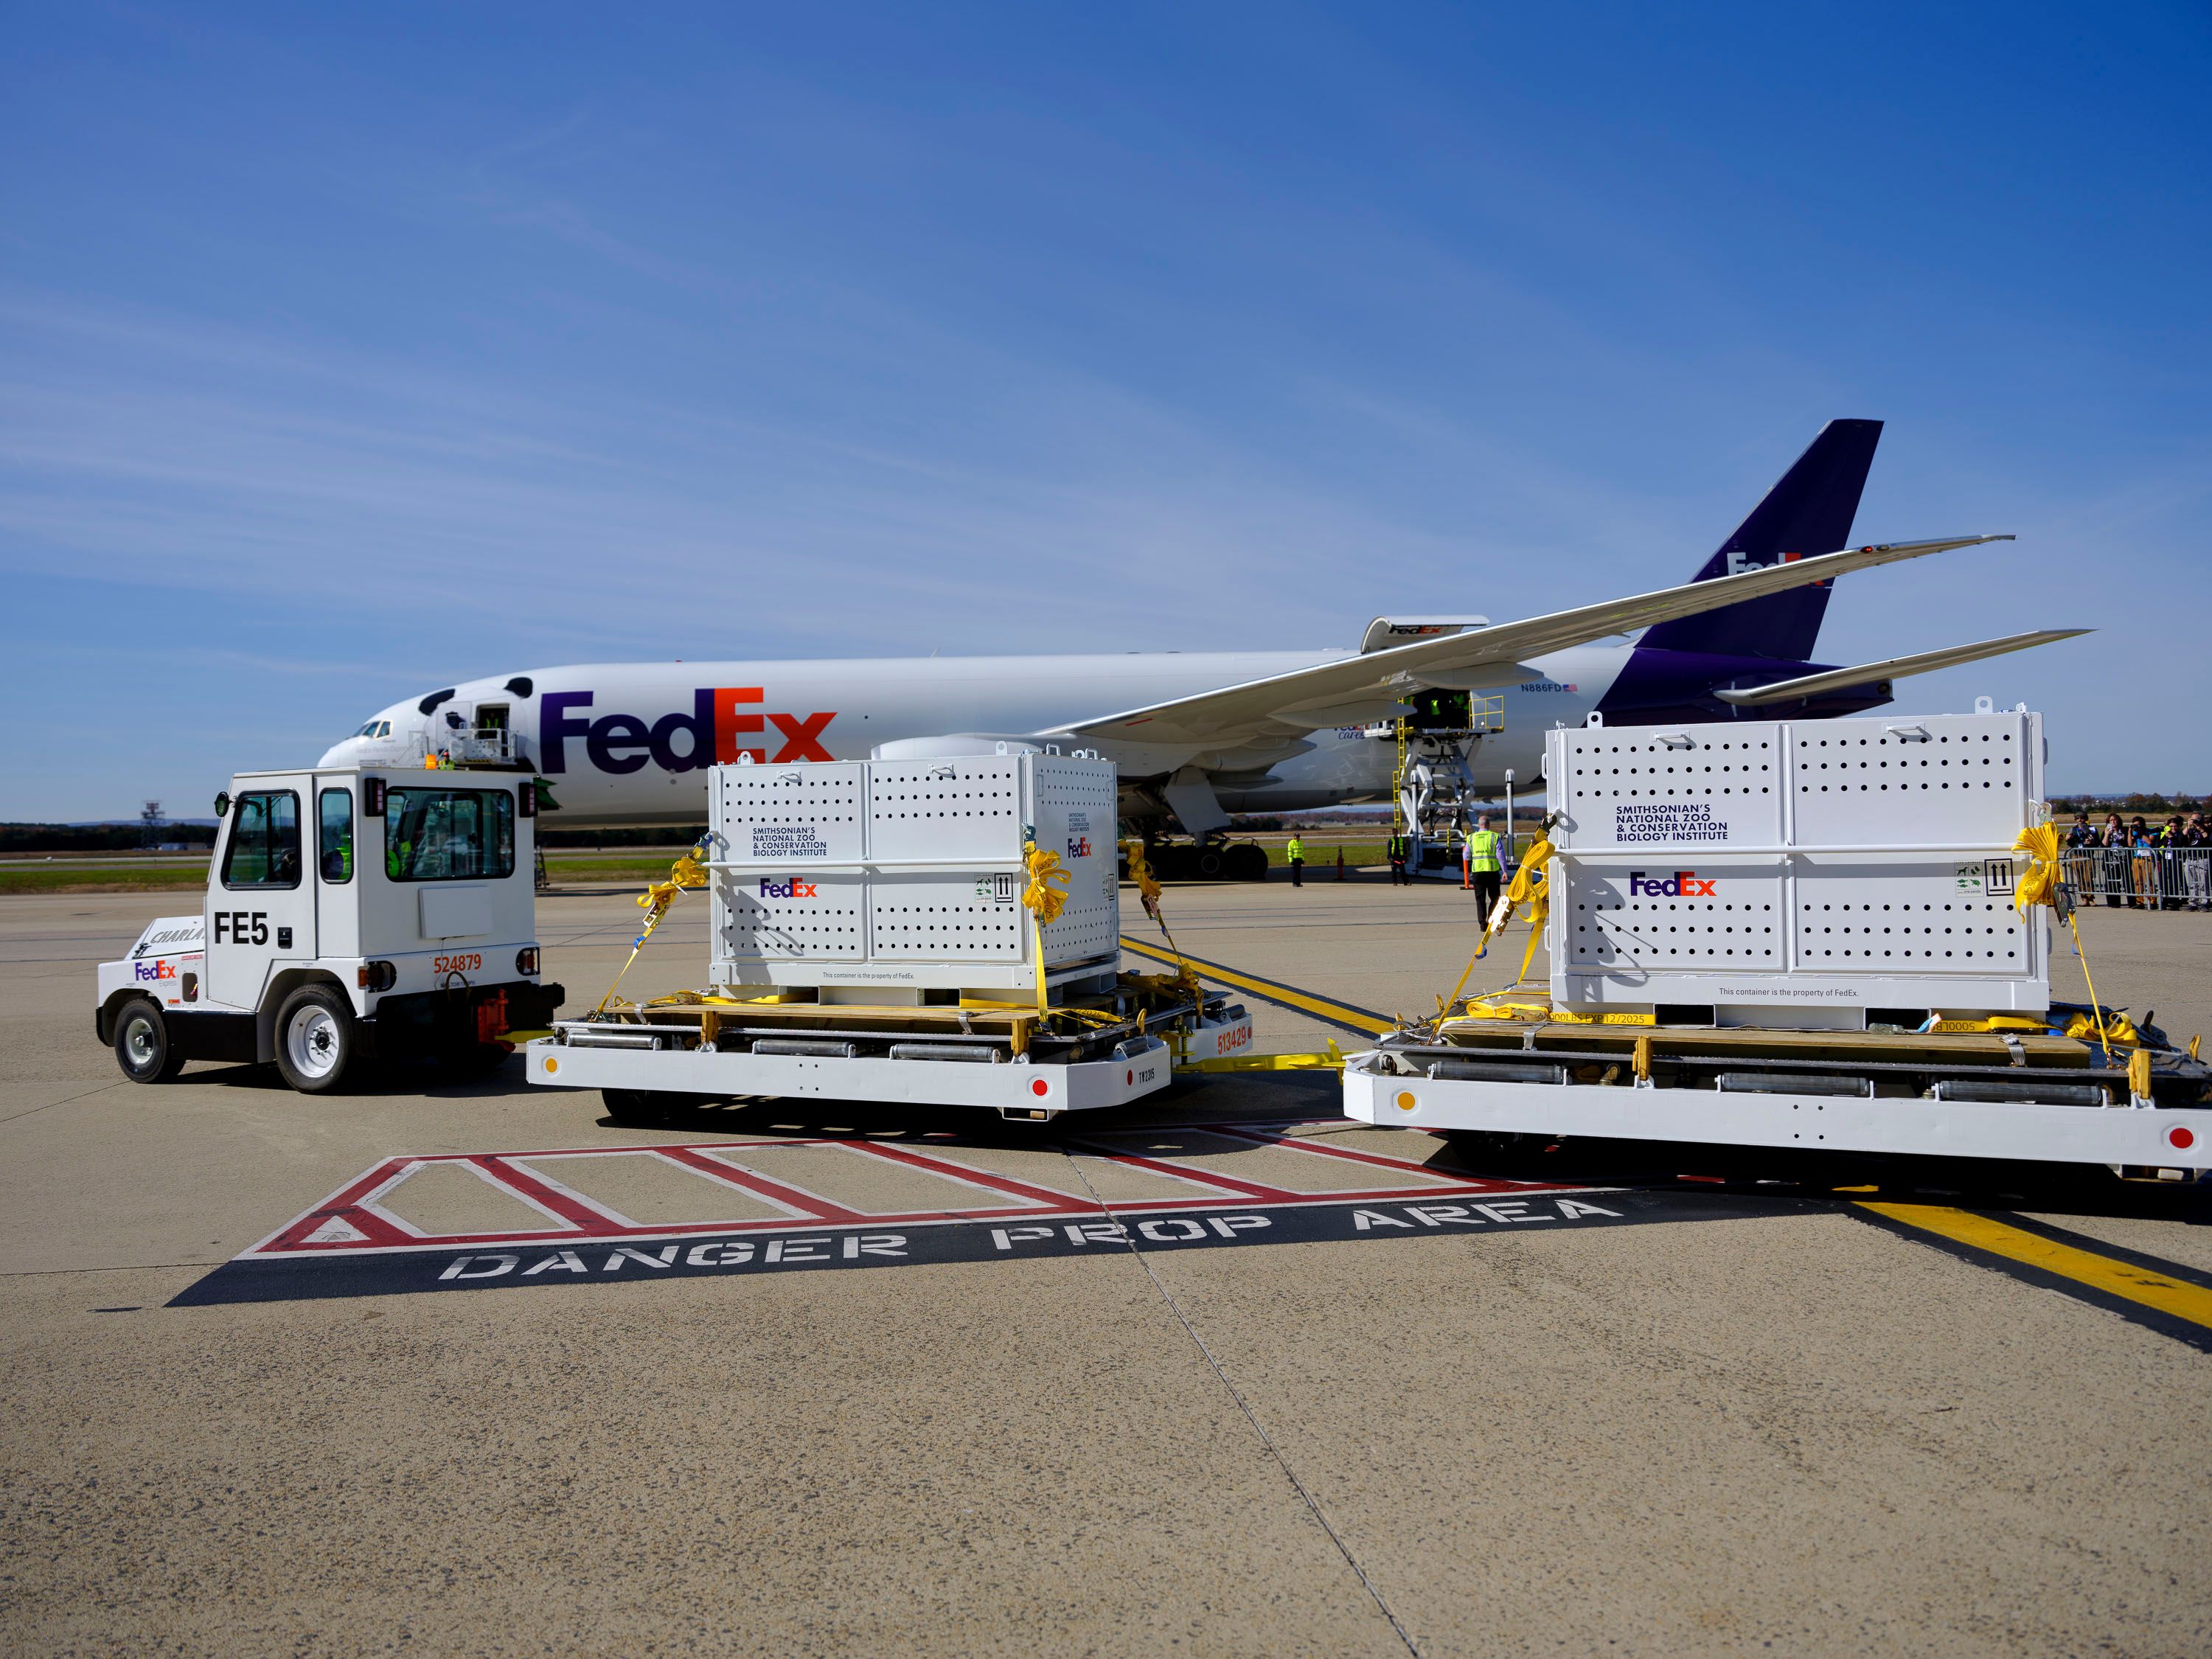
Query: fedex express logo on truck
[712, 733]
[1683, 884]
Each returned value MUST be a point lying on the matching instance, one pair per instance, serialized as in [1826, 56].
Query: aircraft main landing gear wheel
[1246, 861]
[315, 1041]
[142, 1043]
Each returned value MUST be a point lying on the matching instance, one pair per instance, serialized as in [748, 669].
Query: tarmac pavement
[1764, 1425]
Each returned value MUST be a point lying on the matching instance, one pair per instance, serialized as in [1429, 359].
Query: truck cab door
[261, 899]
[337, 911]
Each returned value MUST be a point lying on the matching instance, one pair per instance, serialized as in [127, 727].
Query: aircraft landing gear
[1210, 860]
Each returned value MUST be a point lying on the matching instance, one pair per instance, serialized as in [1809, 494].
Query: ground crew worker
[2193, 852]
[1398, 876]
[1297, 856]
[1482, 863]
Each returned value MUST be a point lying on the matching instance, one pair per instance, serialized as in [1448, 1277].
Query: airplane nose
[340, 754]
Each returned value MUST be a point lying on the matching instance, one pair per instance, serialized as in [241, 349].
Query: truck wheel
[314, 1039]
[142, 1043]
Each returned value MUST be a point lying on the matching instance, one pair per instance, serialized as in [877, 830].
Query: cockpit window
[375, 729]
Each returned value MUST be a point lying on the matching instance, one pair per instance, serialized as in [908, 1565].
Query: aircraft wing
[1353, 690]
[1840, 679]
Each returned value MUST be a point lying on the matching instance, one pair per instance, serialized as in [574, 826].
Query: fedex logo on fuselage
[710, 733]
[1683, 884]
[793, 889]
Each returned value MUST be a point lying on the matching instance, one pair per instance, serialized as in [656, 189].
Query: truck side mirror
[371, 797]
[221, 803]
[525, 799]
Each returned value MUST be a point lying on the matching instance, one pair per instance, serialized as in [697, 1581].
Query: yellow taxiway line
[2174, 1297]
[1337, 1014]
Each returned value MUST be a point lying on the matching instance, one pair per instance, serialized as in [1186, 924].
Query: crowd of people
[2130, 862]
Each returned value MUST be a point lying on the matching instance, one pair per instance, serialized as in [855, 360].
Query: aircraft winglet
[1896, 668]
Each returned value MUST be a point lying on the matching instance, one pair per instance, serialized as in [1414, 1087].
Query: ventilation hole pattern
[1675, 933]
[1967, 933]
[961, 933]
[1623, 768]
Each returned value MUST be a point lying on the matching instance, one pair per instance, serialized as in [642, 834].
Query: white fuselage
[628, 744]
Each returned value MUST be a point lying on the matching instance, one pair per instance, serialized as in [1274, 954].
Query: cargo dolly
[935, 931]
[1808, 936]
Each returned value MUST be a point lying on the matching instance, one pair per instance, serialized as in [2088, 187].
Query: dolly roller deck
[1015, 1087]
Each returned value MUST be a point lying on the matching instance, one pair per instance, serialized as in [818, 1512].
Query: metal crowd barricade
[2144, 878]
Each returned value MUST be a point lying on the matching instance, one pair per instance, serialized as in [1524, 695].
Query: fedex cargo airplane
[1196, 735]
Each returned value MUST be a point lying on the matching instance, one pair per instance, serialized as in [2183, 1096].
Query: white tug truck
[1800, 936]
[878, 935]
[351, 914]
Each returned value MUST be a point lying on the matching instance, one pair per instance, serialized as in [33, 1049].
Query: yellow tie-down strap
[1330, 1059]
[1480, 1008]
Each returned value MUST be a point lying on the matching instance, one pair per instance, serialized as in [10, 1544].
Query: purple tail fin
[1808, 512]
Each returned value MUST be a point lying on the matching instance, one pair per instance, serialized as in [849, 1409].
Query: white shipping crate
[907, 874]
[1798, 872]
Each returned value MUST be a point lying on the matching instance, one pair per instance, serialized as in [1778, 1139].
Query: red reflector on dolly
[2180, 1137]
[1039, 1087]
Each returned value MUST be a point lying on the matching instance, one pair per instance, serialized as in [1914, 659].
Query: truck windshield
[264, 842]
[449, 834]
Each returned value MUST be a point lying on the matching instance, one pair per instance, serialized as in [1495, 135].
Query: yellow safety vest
[1482, 849]
[1298, 850]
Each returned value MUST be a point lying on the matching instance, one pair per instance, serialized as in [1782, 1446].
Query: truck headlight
[377, 976]
[525, 960]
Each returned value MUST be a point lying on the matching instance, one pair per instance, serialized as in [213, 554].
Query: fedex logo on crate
[791, 889]
[710, 733]
[1078, 847]
[1683, 884]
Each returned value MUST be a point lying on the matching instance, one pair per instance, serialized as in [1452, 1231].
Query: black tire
[1210, 862]
[316, 1043]
[1477, 1144]
[142, 1043]
[645, 1109]
[1247, 862]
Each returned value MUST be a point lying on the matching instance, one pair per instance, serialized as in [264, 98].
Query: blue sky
[345, 352]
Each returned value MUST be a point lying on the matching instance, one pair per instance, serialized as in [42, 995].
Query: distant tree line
[97, 837]
[2126, 805]
[666, 837]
